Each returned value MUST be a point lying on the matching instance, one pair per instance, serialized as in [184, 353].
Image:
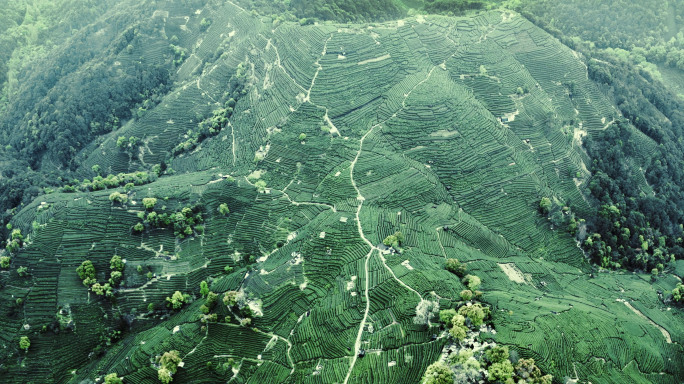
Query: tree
[204, 288]
[5, 262]
[204, 24]
[168, 363]
[454, 266]
[116, 263]
[466, 295]
[502, 372]
[230, 298]
[164, 375]
[678, 293]
[86, 271]
[115, 278]
[497, 354]
[24, 343]
[545, 205]
[472, 281]
[446, 315]
[302, 136]
[113, 378]
[528, 372]
[438, 373]
[394, 240]
[223, 209]
[118, 197]
[458, 332]
[474, 312]
[149, 202]
[177, 300]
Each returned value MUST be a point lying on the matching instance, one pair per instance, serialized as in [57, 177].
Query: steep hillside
[322, 140]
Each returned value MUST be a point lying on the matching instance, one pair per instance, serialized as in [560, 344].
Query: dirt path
[665, 333]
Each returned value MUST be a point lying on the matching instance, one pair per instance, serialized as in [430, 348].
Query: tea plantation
[449, 130]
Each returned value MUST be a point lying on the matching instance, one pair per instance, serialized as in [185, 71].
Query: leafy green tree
[139, 227]
[115, 278]
[527, 372]
[149, 202]
[446, 315]
[223, 209]
[302, 136]
[394, 240]
[260, 185]
[164, 375]
[456, 267]
[118, 197]
[116, 263]
[22, 271]
[230, 298]
[102, 289]
[168, 365]
[474, 312]
[497, 354]
[545, 205]
[458, 332]
[5, 262]
[226, 269]
[211, 300]
[471, 281]
[678, 293]
[121, 142]
[177, 300]
[466, 295]
[204, 24]
[86, 272]
[113, 378]
[204, 288]
[438, 373]
[502, 372]
[24, 343]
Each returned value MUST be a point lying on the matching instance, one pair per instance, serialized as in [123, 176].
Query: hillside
[327, 139]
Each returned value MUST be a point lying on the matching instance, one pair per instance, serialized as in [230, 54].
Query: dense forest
[632, 227]
[56, 104]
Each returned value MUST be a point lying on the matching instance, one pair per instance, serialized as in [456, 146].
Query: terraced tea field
[345, 134]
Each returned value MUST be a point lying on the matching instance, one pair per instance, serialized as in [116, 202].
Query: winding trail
[361, 199]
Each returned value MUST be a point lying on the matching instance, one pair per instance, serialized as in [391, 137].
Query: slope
[415, 125]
